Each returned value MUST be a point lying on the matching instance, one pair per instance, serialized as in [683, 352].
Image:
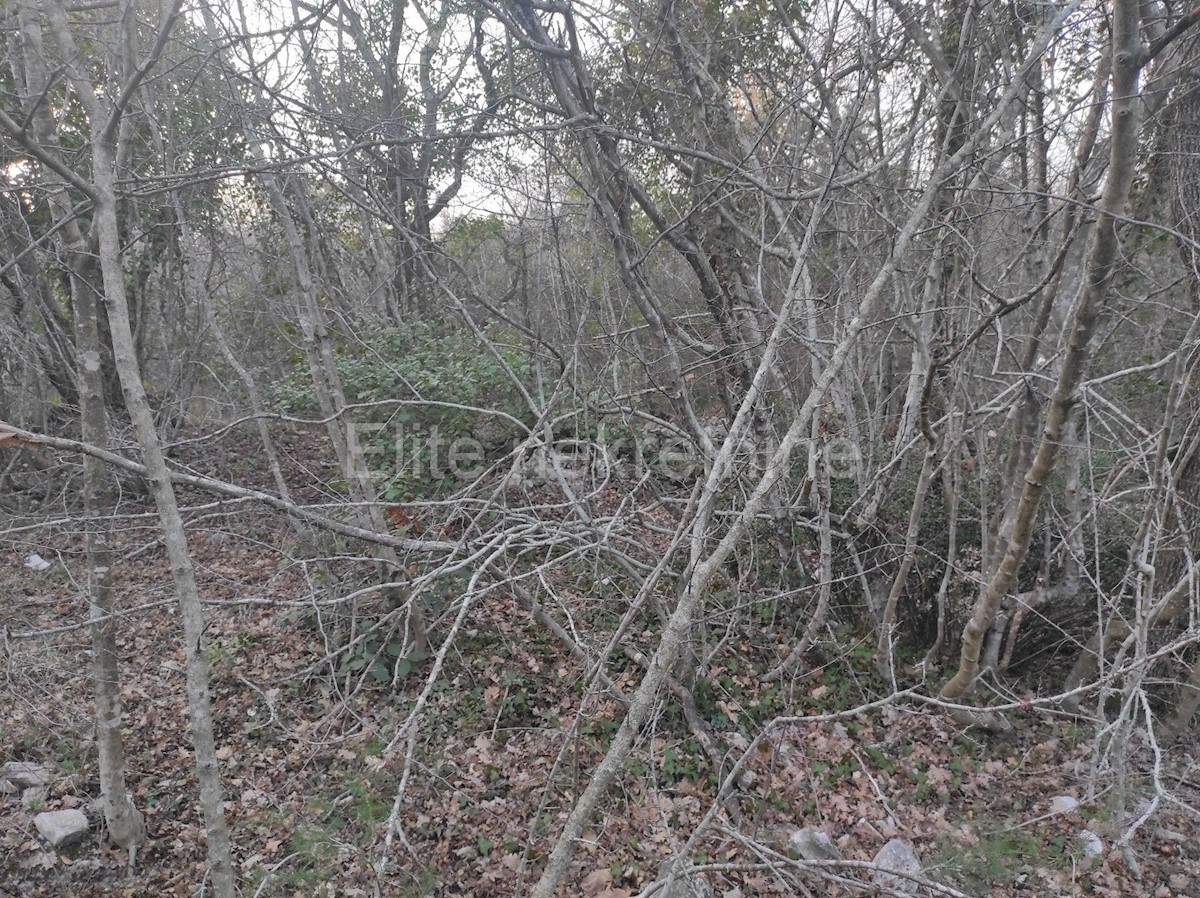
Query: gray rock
[61, 828]
[814, 845]
[34, 797]
[1092, 845]
[1063, 804]
[25, 774]
[900, 857]
[684, 885]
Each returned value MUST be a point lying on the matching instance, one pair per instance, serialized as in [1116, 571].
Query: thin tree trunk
[104, 152]
[126, 826]
[950, 501]
[1102, 261]
[821, 490]
[883, 649]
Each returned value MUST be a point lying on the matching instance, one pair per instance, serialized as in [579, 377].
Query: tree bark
[1101, 264]
[126, 826]
[103, 123]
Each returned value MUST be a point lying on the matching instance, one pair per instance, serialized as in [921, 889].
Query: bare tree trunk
[883, 649]
[1027, 405]
[126, 826]
[821, 491]
[1102, 260]
[1067, 586]
[103, 121]
[950, 502]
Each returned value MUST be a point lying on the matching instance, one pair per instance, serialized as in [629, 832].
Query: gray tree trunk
[126, 826]
[1101, 263]
[103, 122]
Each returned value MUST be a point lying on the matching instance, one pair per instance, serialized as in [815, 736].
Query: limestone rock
[684, 885]
[61, 828]
[814, 845]
[26, 774]
[1063, 804]
[898, 856]
[34, 797]
[1092, 845]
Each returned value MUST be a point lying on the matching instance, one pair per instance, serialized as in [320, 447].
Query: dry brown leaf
[597, 883]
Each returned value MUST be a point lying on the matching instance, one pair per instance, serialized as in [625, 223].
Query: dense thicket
[870, 321]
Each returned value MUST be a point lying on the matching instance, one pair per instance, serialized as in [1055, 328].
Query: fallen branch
[223, 488]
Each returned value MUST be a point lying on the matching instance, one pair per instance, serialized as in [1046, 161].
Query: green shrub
[418, 373]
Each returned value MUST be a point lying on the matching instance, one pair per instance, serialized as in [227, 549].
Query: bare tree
[105, 113]
[1128, 60]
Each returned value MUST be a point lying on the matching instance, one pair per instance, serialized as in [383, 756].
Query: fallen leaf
[597, 883]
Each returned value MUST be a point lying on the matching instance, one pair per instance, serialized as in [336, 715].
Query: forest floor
[312, 763]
